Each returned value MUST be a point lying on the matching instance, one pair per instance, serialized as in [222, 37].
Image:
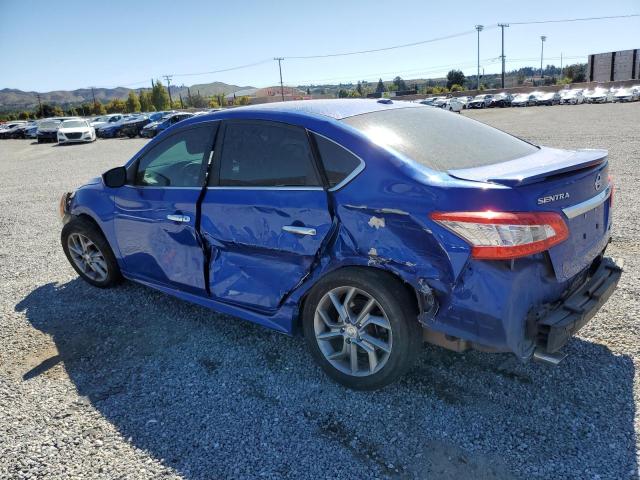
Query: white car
[76, 131]
[453, 105]
[626, 95]
[571, 97]
[598, 95]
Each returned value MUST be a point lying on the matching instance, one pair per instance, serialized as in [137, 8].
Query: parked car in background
[480, 101]
[453, 105]
[464, 100]
[104, 120]
[548, 99]
[598, 95]
[523, 100]
[428, 101]
[112, 128]
[31, 131]
[626, 95]
[440, 102]
[293, 226]
[48, 130]
[132, 127]
[21, 131]
[75, 131]
[501, 100]
[571, 97]
[9, 129]
[154, 128]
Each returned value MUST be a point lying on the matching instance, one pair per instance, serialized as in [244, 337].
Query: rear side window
[264, 154]
[440, 140]
[338, 162]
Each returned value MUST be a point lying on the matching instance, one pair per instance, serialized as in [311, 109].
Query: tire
[392, 325]
[105, 273]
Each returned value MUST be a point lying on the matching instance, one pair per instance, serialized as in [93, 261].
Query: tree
[24, 115]
[359, 88]
[456, 88]
[577, 72]
[400, 84]
[342, 93]
[98, 108]
[455, 77]
[133, 102]
[380, 87]
[213, 103]
[145, 101]
[159, 96]
[197, 101]
[116, 106]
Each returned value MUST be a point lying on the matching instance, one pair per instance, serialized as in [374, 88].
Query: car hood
[74, 130]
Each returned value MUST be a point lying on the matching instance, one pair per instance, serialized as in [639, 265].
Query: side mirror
[115, 178]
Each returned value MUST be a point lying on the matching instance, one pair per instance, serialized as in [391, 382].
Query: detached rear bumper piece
[563, 320]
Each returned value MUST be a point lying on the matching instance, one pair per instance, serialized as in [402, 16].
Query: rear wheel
[361, 328]
[89, 253]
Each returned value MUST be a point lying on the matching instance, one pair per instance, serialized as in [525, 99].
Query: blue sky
[73, 44]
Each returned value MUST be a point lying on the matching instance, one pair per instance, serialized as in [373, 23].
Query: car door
[265, 214]
[155, 213]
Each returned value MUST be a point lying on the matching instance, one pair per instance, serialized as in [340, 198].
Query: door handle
[299, 230]
[179, 218]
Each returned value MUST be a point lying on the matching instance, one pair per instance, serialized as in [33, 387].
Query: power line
[383, 49]
[261, 62]
[584, 19]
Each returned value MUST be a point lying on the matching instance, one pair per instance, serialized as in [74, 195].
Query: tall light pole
[502, 25]
[168, 78]
[279, 59]
[542, 38]
[479, 29]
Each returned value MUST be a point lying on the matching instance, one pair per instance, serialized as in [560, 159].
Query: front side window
[178, 161]
[264, 154]
[338, 162]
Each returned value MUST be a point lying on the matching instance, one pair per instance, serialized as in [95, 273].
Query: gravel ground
[131, 383]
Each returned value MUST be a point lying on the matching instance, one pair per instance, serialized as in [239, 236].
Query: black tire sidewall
[93, 233]
[397, 304]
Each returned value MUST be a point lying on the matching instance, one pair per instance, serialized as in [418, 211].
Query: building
[614, 66]
[268, 94]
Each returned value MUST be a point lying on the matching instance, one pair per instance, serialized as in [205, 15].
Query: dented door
[263, 242]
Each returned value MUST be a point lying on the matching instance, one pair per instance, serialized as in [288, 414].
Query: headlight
[65, 200]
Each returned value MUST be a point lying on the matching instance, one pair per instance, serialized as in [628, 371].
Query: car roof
[336, 109]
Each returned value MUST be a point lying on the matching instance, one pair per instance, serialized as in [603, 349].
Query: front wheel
[361, 328]
[89, 253]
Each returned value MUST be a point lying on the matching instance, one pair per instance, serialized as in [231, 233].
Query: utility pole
[479, 29]
[279, 59]
[561, 73]
[502, 25]
[168, 78]
[93, 94]
[542, 38]
[39, 104]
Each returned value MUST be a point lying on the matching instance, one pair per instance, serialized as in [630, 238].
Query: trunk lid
[574, 184]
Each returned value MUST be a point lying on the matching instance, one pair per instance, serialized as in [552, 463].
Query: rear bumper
[558, 323]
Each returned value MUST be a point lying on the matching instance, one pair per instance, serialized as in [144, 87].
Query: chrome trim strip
[299, 230]
[583, 207]
[354, 173]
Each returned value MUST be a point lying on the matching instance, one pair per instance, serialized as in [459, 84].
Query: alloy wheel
[87, 257]
[353, 331]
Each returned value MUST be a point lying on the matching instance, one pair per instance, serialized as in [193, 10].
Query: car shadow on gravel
[210, 396]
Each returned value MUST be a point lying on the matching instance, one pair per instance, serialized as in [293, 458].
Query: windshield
[431, 137]
[73, 124]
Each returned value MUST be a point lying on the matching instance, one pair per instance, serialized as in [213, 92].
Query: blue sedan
[368, 225]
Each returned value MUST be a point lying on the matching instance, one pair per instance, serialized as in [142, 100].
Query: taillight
[505, 235]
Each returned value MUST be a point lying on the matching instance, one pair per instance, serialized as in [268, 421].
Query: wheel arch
[392, 275]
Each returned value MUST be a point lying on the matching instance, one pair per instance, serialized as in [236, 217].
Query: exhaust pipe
[548, 358]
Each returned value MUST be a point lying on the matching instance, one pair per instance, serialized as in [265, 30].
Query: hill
[14, 99]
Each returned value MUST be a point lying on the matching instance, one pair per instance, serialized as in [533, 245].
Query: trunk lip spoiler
[544, 163]
[589, 204]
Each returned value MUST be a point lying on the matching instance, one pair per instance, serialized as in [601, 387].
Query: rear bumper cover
[557, 323]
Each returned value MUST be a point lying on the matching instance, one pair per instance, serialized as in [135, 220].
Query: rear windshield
[440, 140]
[73, 124]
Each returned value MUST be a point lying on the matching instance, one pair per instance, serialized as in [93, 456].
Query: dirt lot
[131, 383]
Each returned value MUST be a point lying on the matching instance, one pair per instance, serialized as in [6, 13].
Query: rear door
[264, 215]
[156, 212]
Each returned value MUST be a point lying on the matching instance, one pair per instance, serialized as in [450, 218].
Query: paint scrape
[377, 222]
